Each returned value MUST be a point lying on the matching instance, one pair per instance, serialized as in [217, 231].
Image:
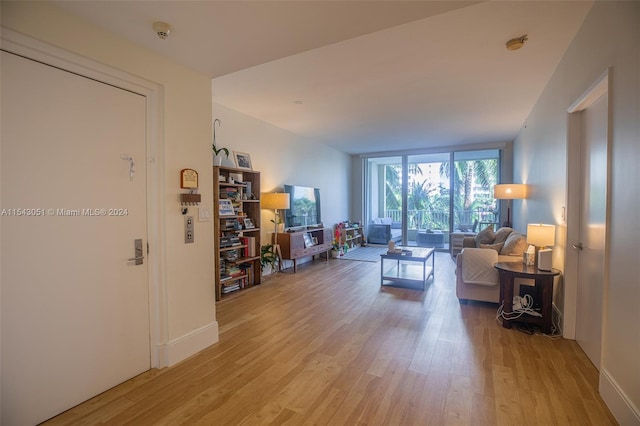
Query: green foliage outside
[428, 201]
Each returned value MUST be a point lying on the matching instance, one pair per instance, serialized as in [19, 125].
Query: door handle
[137, 246]
[577, 246]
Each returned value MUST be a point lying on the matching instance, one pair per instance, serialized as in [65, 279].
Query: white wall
[609, 37]
[285, 158]
[186, 297]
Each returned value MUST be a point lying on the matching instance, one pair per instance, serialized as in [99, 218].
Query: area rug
[364, 254]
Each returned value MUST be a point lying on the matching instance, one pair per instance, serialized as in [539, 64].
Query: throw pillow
[502, 234]
[497, 247]
[515, 244]
[486, 236]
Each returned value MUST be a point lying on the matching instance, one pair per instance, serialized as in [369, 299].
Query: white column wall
[609, 37]
[186, 293]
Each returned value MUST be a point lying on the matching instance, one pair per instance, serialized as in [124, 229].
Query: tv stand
[293, 246]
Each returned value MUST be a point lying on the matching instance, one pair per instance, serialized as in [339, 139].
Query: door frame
[602, 86]
[30, 48]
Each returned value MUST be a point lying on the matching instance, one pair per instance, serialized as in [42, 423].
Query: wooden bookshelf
[351, 236]
[237, 247]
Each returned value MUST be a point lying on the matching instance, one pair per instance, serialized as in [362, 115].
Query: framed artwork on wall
[243, 160]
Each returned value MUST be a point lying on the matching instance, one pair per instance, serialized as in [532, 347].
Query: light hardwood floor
[329, 346]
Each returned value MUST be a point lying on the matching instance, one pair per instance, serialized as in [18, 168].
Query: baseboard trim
[179, 349]
[625, 412]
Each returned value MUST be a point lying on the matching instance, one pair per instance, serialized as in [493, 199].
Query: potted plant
[335, 249]
[217, 158]
[278, 223]
[335, 244]
[268, 257]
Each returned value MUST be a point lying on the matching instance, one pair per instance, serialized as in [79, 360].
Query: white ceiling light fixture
[162, 29]
[517, 43]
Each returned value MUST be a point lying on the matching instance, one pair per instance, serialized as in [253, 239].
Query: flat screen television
[304, 207]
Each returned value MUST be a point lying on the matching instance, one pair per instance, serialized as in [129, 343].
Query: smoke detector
[162, 29]
[516, 43]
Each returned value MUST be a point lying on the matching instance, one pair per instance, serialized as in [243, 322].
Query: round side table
[543, 286]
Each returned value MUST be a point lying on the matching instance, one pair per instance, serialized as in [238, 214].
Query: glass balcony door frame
[404, 160]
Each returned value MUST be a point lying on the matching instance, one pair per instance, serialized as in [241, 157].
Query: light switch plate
[204, 214]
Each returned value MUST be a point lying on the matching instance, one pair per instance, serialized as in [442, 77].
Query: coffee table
[407, 268]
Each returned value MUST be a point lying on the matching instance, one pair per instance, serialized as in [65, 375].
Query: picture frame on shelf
[243, 160]
[308, 240]
[225, 208]
[248, 223]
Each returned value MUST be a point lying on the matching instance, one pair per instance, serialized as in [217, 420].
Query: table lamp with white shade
[541, 236]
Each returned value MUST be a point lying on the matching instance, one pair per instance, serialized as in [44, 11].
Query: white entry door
[75, 314]
[592, 228]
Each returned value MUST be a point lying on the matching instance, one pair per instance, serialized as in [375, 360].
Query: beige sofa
[476, 277]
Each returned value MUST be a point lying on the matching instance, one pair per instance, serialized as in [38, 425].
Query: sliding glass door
[384, 199]
[428, 200]
[419, 199]
[474, 174]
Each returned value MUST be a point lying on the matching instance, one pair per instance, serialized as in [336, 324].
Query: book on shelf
[250, 243]
[231, 193]
[231, 255]
[229, 288]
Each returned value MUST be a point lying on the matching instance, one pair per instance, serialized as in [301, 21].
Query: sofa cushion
[502, 234]
[477, 266]
[515, 244]
[497, 247]
[486, 236]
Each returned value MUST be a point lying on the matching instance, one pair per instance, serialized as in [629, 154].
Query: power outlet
[188, 229]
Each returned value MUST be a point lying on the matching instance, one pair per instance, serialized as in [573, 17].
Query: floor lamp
[509, 191]
[275, 201]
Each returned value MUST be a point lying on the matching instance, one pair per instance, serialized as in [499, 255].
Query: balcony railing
[439, 219]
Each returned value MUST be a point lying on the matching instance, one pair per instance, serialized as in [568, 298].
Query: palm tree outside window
[438, 194]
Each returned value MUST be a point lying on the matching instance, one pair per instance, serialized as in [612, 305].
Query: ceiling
[362, 76]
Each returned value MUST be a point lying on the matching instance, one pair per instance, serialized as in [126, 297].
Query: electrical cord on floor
[524, 306]
[521, 306]
[556, 332]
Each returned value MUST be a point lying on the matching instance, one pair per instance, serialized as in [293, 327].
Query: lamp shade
[510, 191]
[541, 235]
[275, 200]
